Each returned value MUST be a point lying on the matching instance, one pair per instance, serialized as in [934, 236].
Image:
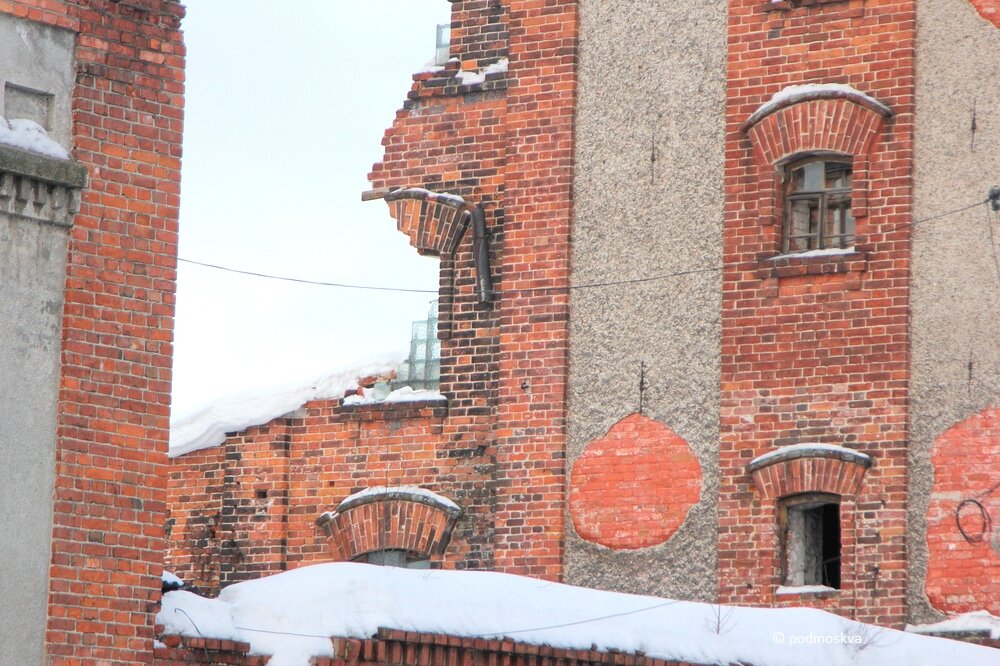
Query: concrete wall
[32, 277]
[37, 58]
[648, 201]
[956, 288]
[32, 272]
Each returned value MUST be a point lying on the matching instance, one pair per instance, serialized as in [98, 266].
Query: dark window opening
[811, 540]
[818, 206]
[395, 558]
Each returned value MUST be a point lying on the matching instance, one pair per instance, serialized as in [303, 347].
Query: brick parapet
[818, 356]
[114, 400]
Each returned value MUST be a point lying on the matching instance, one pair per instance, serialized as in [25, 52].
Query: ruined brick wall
[494, 127]
[816, 350]
[114, 392]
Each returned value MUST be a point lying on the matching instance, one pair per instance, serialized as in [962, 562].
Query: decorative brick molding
[814, 121]
[407, 648]
[400, 518]
[38, 187]
[809, 469]
[633, 487]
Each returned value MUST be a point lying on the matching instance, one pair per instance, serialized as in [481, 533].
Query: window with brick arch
[818, 205]
[810, 540]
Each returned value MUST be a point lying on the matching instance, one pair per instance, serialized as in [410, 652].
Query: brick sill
[396, 410]
[805, 591]
[790, 265]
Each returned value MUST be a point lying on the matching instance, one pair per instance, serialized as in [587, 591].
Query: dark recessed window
[810, 538]
[818, 206]
[396, 558]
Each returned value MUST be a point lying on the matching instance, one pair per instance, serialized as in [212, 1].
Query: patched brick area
[633, 487]
[964, 576]
[989, 10]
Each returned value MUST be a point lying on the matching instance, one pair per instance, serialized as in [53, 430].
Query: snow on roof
[475, 78]
[354, 600]
[29, 135]
[207, 426]
[978, 622]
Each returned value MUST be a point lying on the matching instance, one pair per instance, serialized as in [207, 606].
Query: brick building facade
[695, 370]
[87, 273]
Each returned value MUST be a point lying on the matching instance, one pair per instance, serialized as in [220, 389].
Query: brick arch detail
[963, 576]
[837, 123]
[795, 470]
[390, 519]
[633, 487]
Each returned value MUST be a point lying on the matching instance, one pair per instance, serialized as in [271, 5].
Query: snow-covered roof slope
[29, 135]
[354, 600]
[207, 427]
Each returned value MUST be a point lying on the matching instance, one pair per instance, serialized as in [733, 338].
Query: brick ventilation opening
[404, 519]
[633, 487]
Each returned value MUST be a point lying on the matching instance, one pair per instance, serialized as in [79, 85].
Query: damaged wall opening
[393, 557]
[810, 540]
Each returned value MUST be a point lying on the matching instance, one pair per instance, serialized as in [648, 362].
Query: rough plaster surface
[39, 57]
[956, 289]
[648, 201]
[32, 272]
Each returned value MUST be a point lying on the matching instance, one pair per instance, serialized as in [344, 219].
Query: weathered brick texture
[816, 350]
[633, 487]
[113, 410]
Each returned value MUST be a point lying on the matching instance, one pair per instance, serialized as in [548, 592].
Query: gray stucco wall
[34, 216]
[648, 200]
[956, 290]
[38, 58]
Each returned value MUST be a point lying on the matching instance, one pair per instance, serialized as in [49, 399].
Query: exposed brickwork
[818, 356]
[989, 10]
[389, 522]
[964, 576]
[633, 487]
[117, 327]
[183, 650]
[808, 475]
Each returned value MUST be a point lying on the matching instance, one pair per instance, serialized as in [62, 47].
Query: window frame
[803, 502]
[822, 198]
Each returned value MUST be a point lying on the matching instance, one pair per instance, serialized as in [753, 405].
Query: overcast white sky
[286, 107]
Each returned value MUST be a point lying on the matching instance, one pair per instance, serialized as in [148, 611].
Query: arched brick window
[393, 525]
[829, 124]
[811, 487]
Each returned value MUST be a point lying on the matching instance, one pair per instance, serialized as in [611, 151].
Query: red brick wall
[114, 400]
[818, 354]
[506, 144]
[963, 575]
[989, 10]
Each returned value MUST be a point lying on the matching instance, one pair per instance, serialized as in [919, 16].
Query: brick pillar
[531, 415]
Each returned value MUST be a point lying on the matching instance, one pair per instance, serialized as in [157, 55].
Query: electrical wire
[590, 285]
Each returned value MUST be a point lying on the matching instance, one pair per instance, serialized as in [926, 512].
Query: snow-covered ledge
[808, 468]
[39, 187]
[809, 92]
